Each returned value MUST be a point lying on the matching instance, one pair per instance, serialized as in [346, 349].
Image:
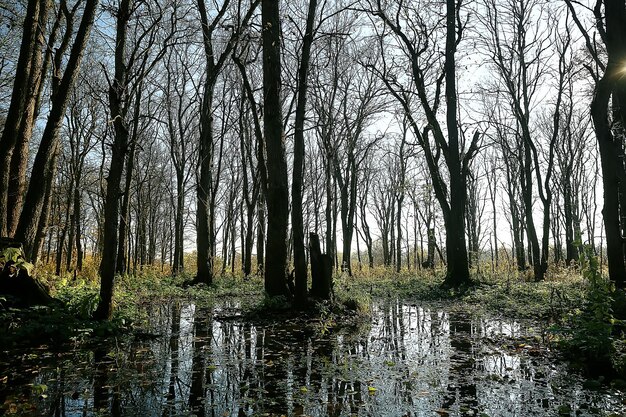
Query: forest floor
[390, 344]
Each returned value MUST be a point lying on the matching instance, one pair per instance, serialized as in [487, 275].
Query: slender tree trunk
[298, 161]
[330, 192]
[248, 242]
[260, 246]
[346, 230]
[399, 202]
[178, 263]
[119, 149]
[70, 241]
[122, 264]
[77, 220]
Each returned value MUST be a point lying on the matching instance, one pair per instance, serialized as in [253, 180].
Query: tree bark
[117, 93]
[208, 179]
[457, 273]
[297, 222]
[36, 80]
[19, 95]
[44, 167]
[277, 199]
[121, 265]
[321, 270]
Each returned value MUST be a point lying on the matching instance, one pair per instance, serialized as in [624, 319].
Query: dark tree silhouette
[277, 196]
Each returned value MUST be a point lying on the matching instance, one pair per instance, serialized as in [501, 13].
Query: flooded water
[411, 360]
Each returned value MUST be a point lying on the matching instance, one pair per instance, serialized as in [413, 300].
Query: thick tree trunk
[457, 273]
[204, 228]
[611, 153]
[612, 174]
[36, 80]
[111, 219]
[44, 167]
[277, 198]
[321, 270]
[15, 114]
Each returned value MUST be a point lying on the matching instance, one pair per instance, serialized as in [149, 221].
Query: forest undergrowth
[569, 307]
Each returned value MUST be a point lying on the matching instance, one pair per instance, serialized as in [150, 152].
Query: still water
[411, 360]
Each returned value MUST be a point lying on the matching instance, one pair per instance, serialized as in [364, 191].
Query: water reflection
[410, 361]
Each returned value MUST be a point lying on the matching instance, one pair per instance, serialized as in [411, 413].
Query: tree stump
[432, 243]
[321, 270]
[15, 278]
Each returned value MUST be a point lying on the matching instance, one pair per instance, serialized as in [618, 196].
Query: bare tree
[297, 222]
[518, 46]
[208, 179]
[606, 45]
[419, 32]
[181, 104]
[346, 100]
[131, 67]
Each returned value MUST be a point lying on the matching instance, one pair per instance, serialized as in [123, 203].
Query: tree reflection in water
[461, 389]
[410, 360]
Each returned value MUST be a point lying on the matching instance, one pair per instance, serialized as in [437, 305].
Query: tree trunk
[15, 113]
[321, 270]
[178, 263]
[44, 166]
[248, 244]
[204, 228]
[399, 202]
[612, 172]
[527, 197]
[122, 263]
[277, 198]
[298, 161]
[77, 220]
[347, 229]
[457, 272]
[119, 149]
[611, 154]
[260, 246]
